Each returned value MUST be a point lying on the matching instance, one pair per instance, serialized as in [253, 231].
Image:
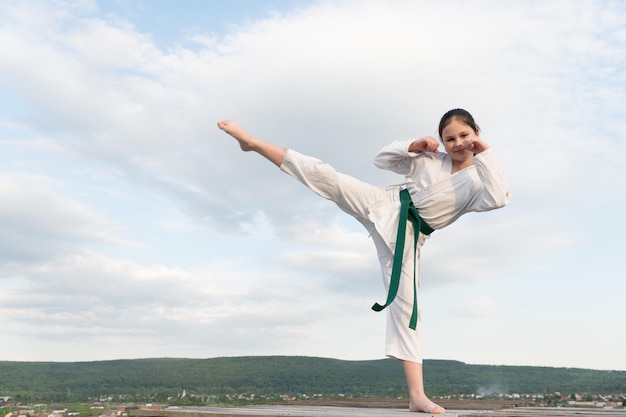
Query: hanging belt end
[377, 307]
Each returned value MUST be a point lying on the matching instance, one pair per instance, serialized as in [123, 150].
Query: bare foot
[424, 405]
[246, 140]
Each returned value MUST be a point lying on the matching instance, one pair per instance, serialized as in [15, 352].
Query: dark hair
[460, 114]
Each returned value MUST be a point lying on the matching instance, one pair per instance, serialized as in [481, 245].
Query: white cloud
[39, 223]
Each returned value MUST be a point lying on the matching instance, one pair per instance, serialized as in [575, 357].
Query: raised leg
[419, 401]
[247, 142]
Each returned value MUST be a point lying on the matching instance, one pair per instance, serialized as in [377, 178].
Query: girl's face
[453, 136]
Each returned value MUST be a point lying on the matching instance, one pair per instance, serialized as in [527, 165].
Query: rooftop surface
[333, 411]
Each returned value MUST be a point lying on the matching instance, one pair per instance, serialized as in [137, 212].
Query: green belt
[407, 211]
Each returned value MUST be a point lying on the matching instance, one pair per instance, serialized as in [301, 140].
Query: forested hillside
[272, 375]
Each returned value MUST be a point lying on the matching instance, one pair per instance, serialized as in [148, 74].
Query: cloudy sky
[131, 227]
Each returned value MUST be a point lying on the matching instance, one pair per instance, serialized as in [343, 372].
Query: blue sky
[170, 23]
[131, 227]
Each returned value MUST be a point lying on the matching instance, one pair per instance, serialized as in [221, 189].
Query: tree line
[286, 375]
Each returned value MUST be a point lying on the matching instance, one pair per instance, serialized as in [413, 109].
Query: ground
[394, 403]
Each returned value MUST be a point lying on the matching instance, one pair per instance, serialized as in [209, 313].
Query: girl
[439, 188]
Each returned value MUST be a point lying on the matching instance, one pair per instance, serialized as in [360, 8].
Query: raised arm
[398, 155]
[496, 191]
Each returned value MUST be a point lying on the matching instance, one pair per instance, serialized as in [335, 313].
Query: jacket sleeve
[396, 157]
[496, 192]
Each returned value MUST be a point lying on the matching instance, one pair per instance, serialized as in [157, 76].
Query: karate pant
[357, 198]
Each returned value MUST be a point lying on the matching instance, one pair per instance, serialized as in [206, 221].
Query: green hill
[274, 375]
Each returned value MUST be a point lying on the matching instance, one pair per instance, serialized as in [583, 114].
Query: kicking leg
[247, 142]
[351, 195]
[419, 401]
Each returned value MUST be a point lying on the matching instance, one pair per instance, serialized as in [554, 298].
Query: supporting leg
[247, 142]
[419, 401]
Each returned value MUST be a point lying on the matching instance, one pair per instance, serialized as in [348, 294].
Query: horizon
[319, 357]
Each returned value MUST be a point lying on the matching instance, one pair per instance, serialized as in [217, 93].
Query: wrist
[414, 147]
[481, 149]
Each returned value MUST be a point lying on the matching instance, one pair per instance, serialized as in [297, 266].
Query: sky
[131, 227]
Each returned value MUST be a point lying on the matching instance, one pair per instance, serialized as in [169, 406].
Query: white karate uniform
[440, 197]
